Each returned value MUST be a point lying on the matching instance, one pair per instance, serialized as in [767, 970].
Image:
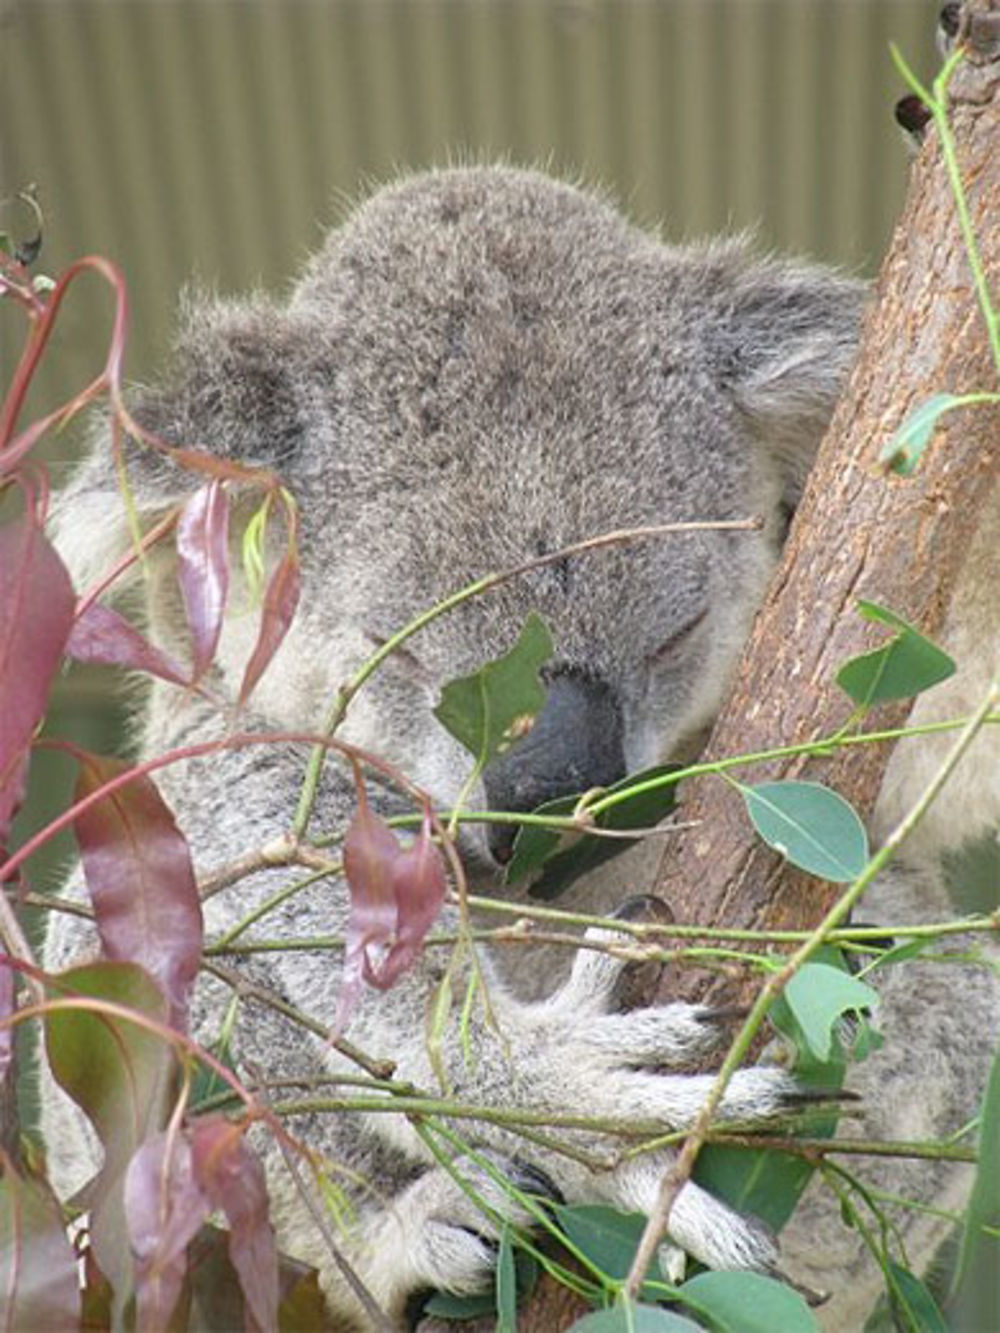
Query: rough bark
[858, 533]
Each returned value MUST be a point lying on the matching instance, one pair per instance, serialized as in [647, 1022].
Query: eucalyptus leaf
[493, 708]
[740, 1302]
[563, 858]
[812, 826]
[915, 1303]
[608, 1239]
[763, 1182]
[634, 1319]
[907, 664]
[818, 995]
[506, 1284]
[903, 451]
[975, 1299]
[445, 1305]
[38, 1269]
[119, 1074]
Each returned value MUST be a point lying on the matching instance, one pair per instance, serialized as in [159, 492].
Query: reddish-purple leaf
[203, 569]
[138, 870]
[102, 637]
[370, 852]
[39, 1287]
[233, 1180]
[6, 1011]
[396, 895]
[118, 1074]
[280, 602]
[420, 884]
[36, 612]
[164, 1208]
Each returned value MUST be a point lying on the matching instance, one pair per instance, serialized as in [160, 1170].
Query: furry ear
[241, 371]
[791, 334]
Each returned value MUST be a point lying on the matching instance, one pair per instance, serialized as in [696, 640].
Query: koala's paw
[628, 1064]
[575, 1054]
[437, 1236]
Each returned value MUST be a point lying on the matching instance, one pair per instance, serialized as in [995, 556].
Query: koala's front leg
[573, 1055]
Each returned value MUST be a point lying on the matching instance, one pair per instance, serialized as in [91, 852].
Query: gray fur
[481, 365]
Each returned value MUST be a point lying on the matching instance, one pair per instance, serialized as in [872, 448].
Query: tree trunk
[862, 533]
[858, 533]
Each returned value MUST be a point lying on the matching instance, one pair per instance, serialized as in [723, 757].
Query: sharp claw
[533, 1180]
[813, 1096]
[723, 1013]
[645, 907]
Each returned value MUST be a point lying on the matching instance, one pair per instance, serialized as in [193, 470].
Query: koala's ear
[789, 335]
[240, 376]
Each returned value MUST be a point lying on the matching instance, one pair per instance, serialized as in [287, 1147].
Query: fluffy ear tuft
[792, 334]
[242, 372]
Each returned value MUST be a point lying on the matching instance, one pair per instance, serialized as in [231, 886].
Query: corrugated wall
[214, 138]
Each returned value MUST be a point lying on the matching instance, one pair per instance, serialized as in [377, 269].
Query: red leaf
[370, 852]
[36, 612]
[6, 1010]
[396, 895]
[164, 1208]
[102, 637]
[138, 870]
[203, 569]
[280, 602]
[419, 883]
[39, 1287]
[233, 1180]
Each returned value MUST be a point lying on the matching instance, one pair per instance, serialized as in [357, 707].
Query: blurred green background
[214, 140]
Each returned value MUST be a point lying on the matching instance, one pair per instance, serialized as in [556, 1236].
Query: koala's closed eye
[670, 646]
[403, 657]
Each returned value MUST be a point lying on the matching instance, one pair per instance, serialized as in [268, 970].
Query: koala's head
[480, 367]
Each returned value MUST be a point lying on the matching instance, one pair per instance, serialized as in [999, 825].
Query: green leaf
[115, 1071]
[568, 856]
[634, 1319]
[750, 1303]
[206, 1083]
[490, 710]
[810, 825]
[119, 1074]
[534, 844]
[608, 1239]
[506, 1284]
[810, 1070]
[763, 1182]
[443, 1305]
[914, 1305]
[900, 953]
[975, 1299]
[908, 664]
[903, 451]
[818, 995]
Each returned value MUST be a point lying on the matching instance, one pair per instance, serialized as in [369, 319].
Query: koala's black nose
[575, 744]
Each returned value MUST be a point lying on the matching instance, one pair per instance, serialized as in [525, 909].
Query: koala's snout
[577, 743]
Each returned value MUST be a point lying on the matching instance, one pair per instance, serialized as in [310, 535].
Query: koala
[482, 365]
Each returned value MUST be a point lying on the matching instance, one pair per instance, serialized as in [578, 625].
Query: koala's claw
[531, 1179]
[819, 1096]
[723, 1013]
